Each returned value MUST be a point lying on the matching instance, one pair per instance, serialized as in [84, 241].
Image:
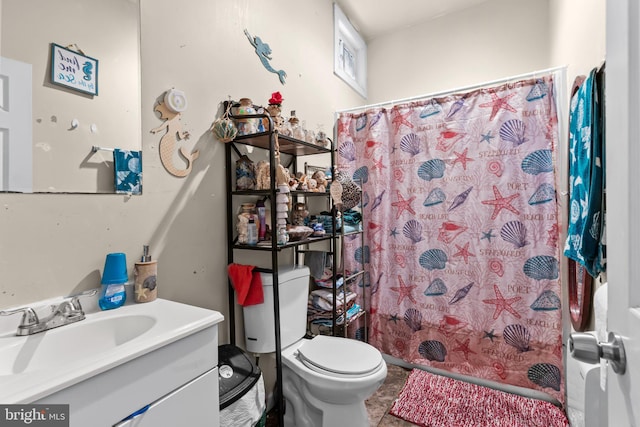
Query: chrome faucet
[67, 312]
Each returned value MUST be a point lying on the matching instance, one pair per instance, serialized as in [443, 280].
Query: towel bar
[95, 149]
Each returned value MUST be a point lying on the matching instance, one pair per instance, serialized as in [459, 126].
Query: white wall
[55, 244]
[578, 35]
[496, 39]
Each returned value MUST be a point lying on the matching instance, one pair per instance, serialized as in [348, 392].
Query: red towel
[247, 284]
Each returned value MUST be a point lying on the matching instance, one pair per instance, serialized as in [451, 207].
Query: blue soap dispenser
[114, 277]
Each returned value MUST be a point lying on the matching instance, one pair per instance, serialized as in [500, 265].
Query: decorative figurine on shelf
[321, 180]
[283, 177]
[170, 108]
[264, 53]
[312, 184]
[282, 207]
[245, 126]
[260, 122]
[224, 128]
[245, 174]
[321, 137]
[263, 175]
[247, 219]
[302, 179]
[296, 130]
[294, 184]
[275, 110]
[309, 135]
[347, 192]
[299, 213]
[318, 230]
[276, 99]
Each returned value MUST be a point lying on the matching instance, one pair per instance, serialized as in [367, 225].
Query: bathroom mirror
[48, 129]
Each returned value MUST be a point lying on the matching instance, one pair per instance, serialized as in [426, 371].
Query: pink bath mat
[430, 400]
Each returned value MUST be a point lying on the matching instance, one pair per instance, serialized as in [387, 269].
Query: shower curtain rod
[465, 88]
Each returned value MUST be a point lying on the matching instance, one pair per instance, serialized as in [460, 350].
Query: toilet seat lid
[340, 355]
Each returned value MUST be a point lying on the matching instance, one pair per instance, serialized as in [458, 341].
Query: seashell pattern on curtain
[465, 250]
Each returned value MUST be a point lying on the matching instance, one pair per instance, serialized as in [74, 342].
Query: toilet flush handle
[586, 348]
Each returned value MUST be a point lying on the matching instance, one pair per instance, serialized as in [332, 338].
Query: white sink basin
[38, 365]
[85, 339]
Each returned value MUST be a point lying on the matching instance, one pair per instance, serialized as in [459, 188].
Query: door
[622, 99]
[15, 126]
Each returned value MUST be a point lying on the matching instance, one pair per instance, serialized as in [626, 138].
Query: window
[350, 53]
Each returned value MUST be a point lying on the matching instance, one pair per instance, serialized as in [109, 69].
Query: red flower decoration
[276, 98]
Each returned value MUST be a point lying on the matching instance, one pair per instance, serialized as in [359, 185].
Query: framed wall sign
[350, 53]
[74, 70]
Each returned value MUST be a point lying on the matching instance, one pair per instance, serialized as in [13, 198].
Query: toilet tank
[259, 320]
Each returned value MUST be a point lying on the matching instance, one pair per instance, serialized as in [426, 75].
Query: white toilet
[325, 379]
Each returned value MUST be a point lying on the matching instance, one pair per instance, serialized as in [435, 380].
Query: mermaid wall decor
[264, 53]
[170, 108]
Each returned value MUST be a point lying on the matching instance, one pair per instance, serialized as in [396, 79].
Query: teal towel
[586, 176]
[128, 171]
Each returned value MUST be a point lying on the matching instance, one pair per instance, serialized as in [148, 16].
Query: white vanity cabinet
[170, 368]
[186, 406]
[166, 378]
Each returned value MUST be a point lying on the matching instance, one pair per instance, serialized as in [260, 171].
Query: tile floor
[379, 404]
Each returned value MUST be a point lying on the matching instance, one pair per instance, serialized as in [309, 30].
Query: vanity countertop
[35, 366]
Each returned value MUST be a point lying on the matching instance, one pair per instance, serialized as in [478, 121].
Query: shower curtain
[461, 226]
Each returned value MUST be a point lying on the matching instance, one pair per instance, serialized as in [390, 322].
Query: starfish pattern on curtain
[462, 233]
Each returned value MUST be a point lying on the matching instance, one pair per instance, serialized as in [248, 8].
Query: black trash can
[242, 396]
